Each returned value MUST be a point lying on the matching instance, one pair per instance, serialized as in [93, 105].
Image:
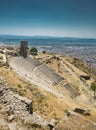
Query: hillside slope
[70, 93]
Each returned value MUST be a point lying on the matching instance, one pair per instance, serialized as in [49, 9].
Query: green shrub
[93, 87]
[19, 86]
[33, 51]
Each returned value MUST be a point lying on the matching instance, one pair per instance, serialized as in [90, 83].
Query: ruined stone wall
[13, 102]
[20, 107]
[23, 48]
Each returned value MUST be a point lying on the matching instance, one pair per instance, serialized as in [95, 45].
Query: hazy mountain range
[41, 37]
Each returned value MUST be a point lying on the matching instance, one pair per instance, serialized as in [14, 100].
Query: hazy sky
[73, 18]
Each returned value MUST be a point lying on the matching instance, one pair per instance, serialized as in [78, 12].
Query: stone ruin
[21, 107]
[23, 48]
[14, 102]
[85, 77]
[82, 111]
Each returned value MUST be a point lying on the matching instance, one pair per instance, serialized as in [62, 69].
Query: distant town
[82, 48]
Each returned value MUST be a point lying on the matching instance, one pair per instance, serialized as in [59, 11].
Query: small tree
[33, 51]
[93, 87]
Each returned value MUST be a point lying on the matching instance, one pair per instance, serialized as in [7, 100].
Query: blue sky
[68, 18]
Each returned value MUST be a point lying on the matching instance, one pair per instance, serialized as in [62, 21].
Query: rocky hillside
[53, 106]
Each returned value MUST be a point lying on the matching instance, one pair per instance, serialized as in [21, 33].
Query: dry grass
[74, 122]
[82, 66]
[44, 103]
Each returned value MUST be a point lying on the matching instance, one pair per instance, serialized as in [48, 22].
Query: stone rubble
[19, 106]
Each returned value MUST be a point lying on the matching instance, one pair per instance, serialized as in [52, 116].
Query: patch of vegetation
[33, 51]
[19, 86]
[13, 89]
[66, 111]
[21, 93]
[93, 87]
[0, 107]
[34, 126]
[9, 113]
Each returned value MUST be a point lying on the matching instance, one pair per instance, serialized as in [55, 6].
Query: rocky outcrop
[11, 53]
[8, 47]
[85, 77]
[19, 106]
[82, 111]
[14, 102]
[74, 121]
[1, 51]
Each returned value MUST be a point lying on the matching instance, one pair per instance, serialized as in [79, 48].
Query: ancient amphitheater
[36, 72]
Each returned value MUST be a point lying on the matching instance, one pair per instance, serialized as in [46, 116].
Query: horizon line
[51, 36]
